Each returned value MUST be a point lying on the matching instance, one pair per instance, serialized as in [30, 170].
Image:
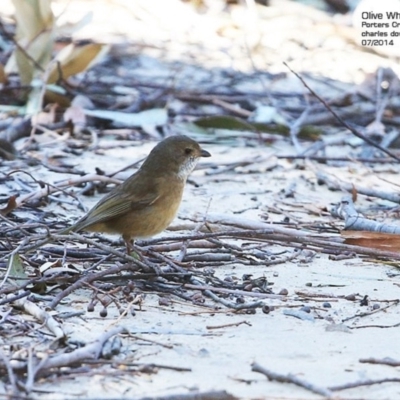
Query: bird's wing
[130, 196]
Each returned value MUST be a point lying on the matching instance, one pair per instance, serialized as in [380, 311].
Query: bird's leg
[130, 247]
[128, 243]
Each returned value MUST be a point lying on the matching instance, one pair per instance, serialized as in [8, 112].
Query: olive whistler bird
[147, 202]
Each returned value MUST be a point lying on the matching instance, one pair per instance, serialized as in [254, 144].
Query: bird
[146, 203]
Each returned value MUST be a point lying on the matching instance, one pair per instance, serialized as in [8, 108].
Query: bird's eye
[188, 151]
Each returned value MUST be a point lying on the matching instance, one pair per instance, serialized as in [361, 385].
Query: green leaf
[17, 273]
[225, 122]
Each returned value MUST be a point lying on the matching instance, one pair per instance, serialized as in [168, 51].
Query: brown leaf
[76, 58]
[373, 240]
[3, 75]
[11, 205]
[354, 194]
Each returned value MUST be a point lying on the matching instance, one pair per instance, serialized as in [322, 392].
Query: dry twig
[354, 131]
[290, 378]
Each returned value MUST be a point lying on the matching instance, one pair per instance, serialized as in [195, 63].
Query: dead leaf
[224, 122]
[11, 205]
[53, 97]
[45, 118]
[3, 75]
[76, 115]
[76, 58]
[373, 240]
[354, 194]
[17, 275]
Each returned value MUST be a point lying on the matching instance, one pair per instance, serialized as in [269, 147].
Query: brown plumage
[147, 202]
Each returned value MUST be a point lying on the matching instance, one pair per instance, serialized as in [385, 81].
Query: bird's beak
[204, 153]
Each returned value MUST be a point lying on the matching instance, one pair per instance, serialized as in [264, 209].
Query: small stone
[103, 312]
[267, 309]
[306, 309]
[326, 305]
[164, 301]
[364, 302]
[376, 306]
[284, 292]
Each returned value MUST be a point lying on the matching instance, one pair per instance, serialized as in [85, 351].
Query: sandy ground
[221, 358]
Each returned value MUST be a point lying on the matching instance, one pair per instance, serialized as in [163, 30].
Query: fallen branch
[273, 376]
[234, 291]
[49, 189]
[40, 314]
[365, 314]
[91, 351]
[87, 279]
[227, 325]
[368, 382]
[355, 132]
[333, 182]
[381, 361]
[268, 232]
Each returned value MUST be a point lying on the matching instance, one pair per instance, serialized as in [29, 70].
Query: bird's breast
[150, 220]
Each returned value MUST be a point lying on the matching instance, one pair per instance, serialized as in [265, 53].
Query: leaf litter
[255, 268]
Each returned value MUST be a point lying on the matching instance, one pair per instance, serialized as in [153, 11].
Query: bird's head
[175, 154]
